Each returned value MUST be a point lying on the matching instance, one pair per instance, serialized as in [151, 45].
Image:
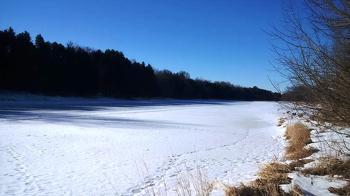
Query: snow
[313, 185]
[75, 146]
[329, 142]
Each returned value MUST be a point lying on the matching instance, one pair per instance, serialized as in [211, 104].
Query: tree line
[51, 68]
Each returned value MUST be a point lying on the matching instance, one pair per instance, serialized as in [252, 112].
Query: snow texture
[75, 146]
[313, 185]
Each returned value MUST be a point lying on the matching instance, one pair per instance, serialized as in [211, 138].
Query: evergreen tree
[54, 69]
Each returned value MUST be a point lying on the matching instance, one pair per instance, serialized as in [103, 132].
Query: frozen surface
[71, 146]
[314, 185]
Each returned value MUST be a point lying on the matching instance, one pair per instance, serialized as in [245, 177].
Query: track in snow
[71, 146]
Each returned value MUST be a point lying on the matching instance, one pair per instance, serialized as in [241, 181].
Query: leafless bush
[315, 58]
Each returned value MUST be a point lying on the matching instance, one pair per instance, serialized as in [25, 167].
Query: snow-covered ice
[313, 185]
[73, 146]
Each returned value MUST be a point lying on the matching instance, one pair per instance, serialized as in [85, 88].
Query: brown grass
[281, 121]
[298, 131]
[255, 190]
[269, 189]
[330, 166]
[269, 178]
[274, 173]
[296, 191]
[294, 165]
[341, 191]
[298, 136]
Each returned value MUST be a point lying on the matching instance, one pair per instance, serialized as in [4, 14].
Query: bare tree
[315, 54]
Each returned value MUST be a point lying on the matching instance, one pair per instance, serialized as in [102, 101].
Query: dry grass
[341, 191]
[296, 191]
[281, 121]
[274, 173]
[298, 136]
[330, 166]
[194, 184]
[269, 178]
[294, 165]
[254, 189]
[298, 131]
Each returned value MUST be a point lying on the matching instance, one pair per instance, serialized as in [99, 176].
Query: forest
[51, 68]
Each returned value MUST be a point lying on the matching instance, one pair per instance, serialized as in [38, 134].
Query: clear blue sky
[211, 39]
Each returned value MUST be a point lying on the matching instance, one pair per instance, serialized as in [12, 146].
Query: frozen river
[71, 146]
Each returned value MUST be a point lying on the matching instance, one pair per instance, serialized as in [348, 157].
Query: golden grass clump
[298, 131]
[269, 178]
[270, 189]
[274, 173]
[298, 136]
[330, 166]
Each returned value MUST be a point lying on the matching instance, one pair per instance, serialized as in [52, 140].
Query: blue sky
[211, 39]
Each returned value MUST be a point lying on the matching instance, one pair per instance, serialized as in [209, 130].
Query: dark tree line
[54, 69]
